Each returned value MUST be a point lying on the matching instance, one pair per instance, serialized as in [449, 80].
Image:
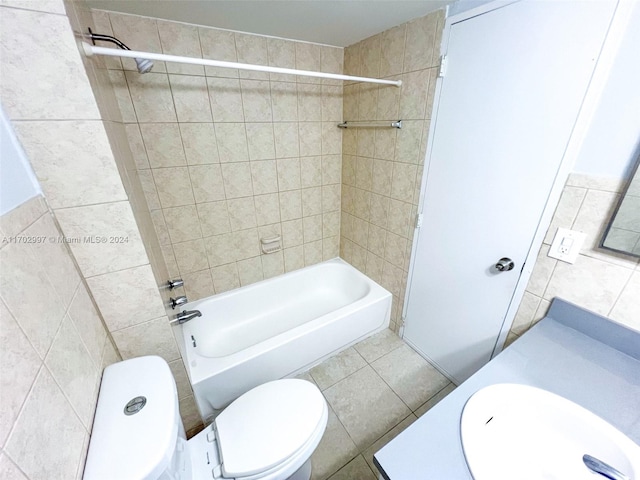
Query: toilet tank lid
[267, 425]
[140, 445]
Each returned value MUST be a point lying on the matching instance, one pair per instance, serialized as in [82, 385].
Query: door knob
[505, 264]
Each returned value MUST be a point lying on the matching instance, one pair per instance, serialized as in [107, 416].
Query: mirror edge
[635, 171]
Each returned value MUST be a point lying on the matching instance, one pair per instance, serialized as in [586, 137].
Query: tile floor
[375, 390]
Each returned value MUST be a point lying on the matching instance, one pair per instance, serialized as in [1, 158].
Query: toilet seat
[270, 430]
[290, 466]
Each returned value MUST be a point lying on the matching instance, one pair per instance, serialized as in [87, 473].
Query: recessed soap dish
[271, 245]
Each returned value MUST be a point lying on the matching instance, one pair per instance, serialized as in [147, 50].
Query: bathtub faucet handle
[176, 302]
[178, 282]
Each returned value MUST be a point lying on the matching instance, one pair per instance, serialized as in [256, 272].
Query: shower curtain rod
[91, 50]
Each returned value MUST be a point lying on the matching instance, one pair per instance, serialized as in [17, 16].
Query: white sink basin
[512, 431]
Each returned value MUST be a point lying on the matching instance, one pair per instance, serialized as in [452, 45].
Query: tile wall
[382, 168]
[601, 280]
[53, 348]
[139, 289]
[66, 117]
[228, 157]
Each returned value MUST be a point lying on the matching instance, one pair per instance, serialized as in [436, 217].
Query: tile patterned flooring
[374, 390]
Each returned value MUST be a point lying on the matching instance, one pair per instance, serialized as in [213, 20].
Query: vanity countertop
[571, 352]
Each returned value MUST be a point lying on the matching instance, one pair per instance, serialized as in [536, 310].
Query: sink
[512, 431]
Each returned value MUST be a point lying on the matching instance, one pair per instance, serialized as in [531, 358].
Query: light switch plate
[566, 245]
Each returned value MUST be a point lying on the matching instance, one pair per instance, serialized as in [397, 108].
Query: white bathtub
[278, 328]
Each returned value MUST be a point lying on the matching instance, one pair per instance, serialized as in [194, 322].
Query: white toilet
[269, 433]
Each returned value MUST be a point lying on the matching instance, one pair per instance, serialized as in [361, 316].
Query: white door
[514, 82]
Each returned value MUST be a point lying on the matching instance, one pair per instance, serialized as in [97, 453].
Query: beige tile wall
[382, 168]
[53, 347]
[132, 296]
[227, 158]
[601, 280]
[68, 122]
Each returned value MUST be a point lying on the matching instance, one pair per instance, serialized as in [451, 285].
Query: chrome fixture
[505, 264]
[134, 405]
[382, 123]
[144, 65]
[176, 302]
[185, 316]
[602, 468]
[178, 282]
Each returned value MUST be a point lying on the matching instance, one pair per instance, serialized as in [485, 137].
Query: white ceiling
[332, 22]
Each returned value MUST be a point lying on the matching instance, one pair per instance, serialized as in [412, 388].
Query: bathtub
[277, 328]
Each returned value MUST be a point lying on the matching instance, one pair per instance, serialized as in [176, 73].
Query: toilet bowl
[269, 433]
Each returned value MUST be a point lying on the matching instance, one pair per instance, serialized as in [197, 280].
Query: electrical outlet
[566, 245]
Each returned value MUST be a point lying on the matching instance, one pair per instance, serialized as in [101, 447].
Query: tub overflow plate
[134, 405]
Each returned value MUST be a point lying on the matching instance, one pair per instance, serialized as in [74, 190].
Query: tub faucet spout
[187, 315]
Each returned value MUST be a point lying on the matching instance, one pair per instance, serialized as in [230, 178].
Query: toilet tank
[137, 431]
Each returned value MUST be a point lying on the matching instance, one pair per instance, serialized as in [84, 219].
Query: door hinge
[443, 66]
[418, 220]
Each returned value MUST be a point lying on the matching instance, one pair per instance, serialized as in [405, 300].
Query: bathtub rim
[297, 272]
[244, 294]
[196, 374]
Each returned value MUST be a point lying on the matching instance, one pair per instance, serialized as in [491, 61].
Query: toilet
[269, 433]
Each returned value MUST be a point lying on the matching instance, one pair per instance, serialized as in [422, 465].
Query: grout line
[68, 313]
[12, 461]
[330, 477]
[47, 210]
[83, 277]
[194, 204]
[367, 364]
[338, 381]
[348, 435]
[53, 210]
[62, 120]
[23, 333]
[613, 306]
[435, 394]
[144, 322]
[42, 12]
[263, 79]
[573, 222]
[21, 409]
[391, 388]
[133, 104]
[31, 253]
[68, 399]
[553, 271]
[103, 353]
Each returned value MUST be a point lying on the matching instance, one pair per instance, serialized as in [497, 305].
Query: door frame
[613, 38]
